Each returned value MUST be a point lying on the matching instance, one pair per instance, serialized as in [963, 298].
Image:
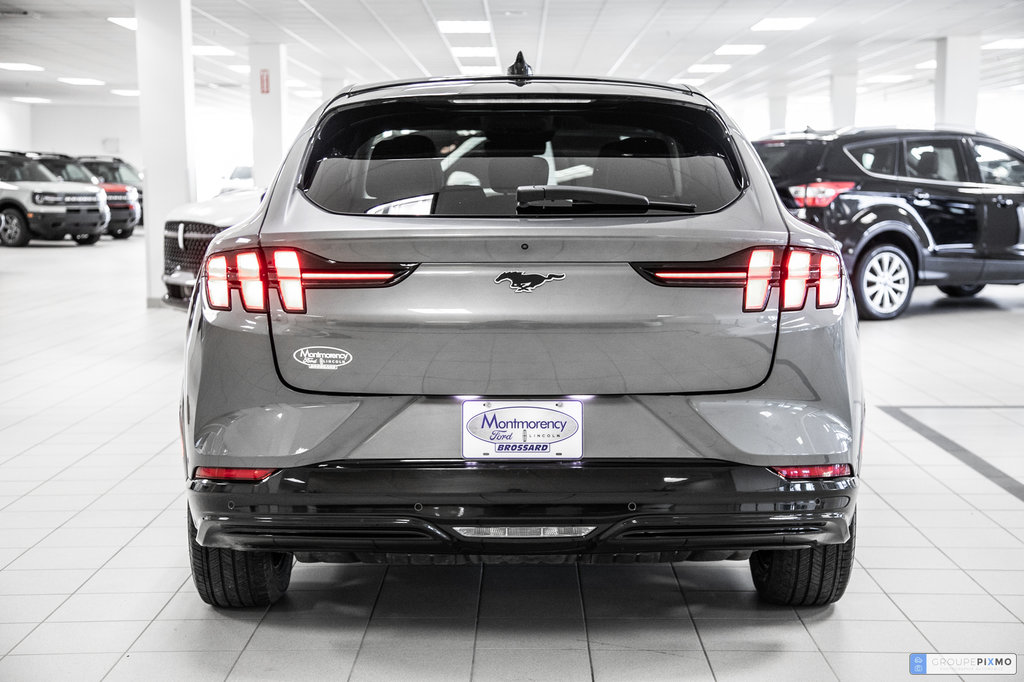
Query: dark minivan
[910, 207]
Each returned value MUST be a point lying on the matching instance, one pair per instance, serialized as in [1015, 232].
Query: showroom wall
[15, 125]
[80, 130]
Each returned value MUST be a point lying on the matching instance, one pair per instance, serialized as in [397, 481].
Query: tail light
[232, 474]
[291, 272]
[795, 270]
[816, 471]
[819, 194]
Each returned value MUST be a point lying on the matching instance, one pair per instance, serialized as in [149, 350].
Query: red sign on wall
[264, 81]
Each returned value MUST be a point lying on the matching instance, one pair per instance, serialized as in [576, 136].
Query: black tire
[961, 290]
[232, 578]
[883, 281]
[804, 577]
[13, 227]
[121, 232]
[86, 239]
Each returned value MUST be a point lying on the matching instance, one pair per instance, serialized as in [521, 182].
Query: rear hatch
[488, 287]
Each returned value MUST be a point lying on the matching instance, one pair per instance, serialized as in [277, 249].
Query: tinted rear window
[789, 158]
[468, 156]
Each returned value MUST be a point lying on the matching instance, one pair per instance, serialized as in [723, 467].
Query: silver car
[522, 319]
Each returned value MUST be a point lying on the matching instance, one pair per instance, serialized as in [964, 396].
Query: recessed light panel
[738, 50]
[130, 23]
[1005, 44]
[81, 81]
[19, 66]
[782, 24]
[31, 100]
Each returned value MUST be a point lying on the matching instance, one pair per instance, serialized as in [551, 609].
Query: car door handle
[920, 196]
[1003, 201]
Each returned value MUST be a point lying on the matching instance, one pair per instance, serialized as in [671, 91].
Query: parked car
[910, 207]
[188, 232]
[35, 204]
[115, 169]
[423, 348]
[123, 200]
[240, 177]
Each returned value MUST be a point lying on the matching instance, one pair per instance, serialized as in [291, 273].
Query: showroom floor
[95, 581]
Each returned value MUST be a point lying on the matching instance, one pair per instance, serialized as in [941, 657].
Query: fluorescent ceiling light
[481, 71]
[930, 64]
[695, 82]
[211, 51]
[240, 68]
[81, 81]
[1005, 44]
[709, 68]
[464, 26]
[295, 83]
[31, 100]
[124, 93]
[889, 78]
[130, 23]
[488, 51]
[19, 66]
[782, 24]
[729, 50]
[309, 94]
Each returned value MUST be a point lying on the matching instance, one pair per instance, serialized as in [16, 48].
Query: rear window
[468, 156]
[790, 158]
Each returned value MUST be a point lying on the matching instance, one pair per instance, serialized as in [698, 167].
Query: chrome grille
[195, 236]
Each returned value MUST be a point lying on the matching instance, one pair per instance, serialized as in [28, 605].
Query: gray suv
[35, 204]
[521, 319]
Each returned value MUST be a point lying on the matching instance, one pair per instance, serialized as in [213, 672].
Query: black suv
[909, 207]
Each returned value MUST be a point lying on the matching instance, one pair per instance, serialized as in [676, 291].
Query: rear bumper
[662, 511]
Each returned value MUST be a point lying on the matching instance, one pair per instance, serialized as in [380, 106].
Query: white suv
[36, 204]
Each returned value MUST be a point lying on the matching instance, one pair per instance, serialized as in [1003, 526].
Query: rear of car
[42, 206]
[540, 319]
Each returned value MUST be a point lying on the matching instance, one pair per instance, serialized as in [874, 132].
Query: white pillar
[777, 112]
[843, 95]
[163, 48]
[956, 80]
[268, 97]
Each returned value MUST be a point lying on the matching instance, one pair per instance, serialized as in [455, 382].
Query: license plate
[522, 429]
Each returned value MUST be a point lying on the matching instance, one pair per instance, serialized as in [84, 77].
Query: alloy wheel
[886, 282]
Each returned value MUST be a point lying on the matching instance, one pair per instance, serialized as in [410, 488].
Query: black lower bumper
[73, 221]
[651, 511]
[122, 218]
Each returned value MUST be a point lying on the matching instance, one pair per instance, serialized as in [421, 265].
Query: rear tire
[86, 239]
[961, 290]
[883, 280]
[121, 232]
[232, 578]
[804, 577]
[13, 228]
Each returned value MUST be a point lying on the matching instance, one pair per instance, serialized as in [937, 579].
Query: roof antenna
[519, 68]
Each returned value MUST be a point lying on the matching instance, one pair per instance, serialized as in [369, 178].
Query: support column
[163, 48]
[843, 94]
[777, 112]
[268, 97]
[956, 81]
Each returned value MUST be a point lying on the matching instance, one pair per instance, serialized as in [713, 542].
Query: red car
[123, 200]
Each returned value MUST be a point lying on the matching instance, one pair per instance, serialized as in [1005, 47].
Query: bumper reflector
[818, 471]
[516, 532]
[232, 474]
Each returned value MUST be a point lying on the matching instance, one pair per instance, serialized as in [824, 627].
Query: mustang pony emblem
[521, 282]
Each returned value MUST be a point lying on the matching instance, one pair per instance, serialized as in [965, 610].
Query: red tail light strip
[815, 471]
[232, 474]
[291, 272]
[795, 270]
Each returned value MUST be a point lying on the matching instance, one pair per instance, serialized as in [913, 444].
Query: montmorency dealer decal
[523, 430]
[322, 357]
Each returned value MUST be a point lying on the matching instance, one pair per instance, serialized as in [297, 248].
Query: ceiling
[373, 40]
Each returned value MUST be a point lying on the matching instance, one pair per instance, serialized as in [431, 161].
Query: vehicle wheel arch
[895, 234]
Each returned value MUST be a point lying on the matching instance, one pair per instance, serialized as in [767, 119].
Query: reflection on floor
[95, 585]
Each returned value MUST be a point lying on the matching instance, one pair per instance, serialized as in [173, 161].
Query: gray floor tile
[81, 638]
[308, 666]
[731, 605]
[50, 667]
[754, 635]
[86, 608]
[172, 666]
[195, 635]
[642, 634]
[570, 665]
[420, 633]
[856, 607]
[186, 605]
[860, 667]
[792, 666]
[1000, 582]
[867, 636]
[306, 634]
[112, 580]
[28, 608]
[926, 581]
[650, 666]
[958, 608]
[12, 633]
[531, 633]
[974, 638]
[50, 581]
[386, 664]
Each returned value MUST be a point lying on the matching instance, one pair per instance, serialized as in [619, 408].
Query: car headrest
[928, 166]
[403, 167]
[509, 172]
